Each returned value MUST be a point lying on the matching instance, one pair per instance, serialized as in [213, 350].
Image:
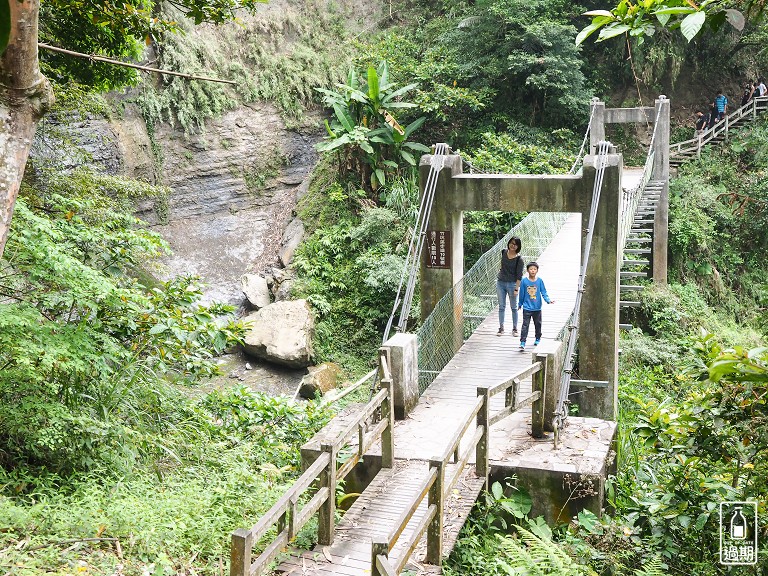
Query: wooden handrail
[243, 539]
[406, 516]
[435, 487]
[330, 399]
[463, 460]
[286, 513]
[418, 532]
[455, 441]
[382, 565]
[529, 371]
[527, 401]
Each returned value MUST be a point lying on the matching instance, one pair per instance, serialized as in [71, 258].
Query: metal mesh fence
[478, 288]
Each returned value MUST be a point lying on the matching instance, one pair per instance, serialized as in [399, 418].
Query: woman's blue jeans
[502, 289]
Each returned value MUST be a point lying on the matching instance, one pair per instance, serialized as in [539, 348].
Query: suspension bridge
[456, 406]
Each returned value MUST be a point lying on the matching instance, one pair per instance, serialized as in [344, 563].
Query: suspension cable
[411, 264]
[584, 141]
[561, 409]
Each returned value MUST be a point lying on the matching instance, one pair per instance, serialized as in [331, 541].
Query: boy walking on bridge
[532, 295]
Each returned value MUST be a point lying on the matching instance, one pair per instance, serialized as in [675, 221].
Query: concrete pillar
[597, 126]
[661, 172]
[436, 282]
[599, 319]
[554, 375]
[404, 360]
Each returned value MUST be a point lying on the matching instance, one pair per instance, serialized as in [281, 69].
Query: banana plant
[363, 130]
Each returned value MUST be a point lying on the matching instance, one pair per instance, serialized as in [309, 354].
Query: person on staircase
[532, 294]
[508, 281]
[762, 90]
[702, 121]
[712, 115]
[749, 91]
[721, 103]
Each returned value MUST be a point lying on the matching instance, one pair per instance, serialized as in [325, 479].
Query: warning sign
[438, 251]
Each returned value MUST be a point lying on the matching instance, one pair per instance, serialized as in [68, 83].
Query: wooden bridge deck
[485, 358]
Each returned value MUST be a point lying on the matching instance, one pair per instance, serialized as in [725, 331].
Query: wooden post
[294, 507]
[539, 384]
[481, 453]
[378, 547]
[240, 554]
[510, 395]
[282, 522]
[726, 127]
[387, 436]
[698, 147]
[326, 516]
[435, 530]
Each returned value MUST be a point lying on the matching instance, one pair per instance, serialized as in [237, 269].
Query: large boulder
[281, 333]
[320, 380]
[256, 290]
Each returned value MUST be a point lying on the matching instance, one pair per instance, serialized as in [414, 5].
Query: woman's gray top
[511, 269]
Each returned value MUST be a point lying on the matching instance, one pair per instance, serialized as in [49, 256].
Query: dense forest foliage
[113, 458]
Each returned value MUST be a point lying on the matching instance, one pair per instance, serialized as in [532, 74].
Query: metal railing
[290, 514]
[749, 111]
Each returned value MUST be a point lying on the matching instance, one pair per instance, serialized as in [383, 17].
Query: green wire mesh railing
[478, 288]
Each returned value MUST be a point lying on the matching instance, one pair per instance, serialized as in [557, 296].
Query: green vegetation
[107, 461]
[276, 56]
[115, 30]
[349, 270]
[111, 461]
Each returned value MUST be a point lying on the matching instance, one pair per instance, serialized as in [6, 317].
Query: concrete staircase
[636, 260]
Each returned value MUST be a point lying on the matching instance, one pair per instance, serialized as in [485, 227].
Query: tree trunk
[25, 95]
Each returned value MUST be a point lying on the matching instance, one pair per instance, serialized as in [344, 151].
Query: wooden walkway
[485, 359]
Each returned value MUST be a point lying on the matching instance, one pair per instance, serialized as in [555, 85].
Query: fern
[536, 556]
[654, 567]
[275, 56]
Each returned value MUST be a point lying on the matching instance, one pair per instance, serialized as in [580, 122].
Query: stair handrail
[755, 105]
[288, 514]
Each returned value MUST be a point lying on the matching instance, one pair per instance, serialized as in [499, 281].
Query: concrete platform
[564, 481]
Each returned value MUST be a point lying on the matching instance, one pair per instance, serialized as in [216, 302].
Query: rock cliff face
[244, 159]
[232, 188]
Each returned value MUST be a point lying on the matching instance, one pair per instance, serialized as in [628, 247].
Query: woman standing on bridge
[508, 281]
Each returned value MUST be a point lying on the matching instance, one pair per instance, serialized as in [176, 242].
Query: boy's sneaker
[514, 331]
[522, 346]
[501, 331]
[536, 342]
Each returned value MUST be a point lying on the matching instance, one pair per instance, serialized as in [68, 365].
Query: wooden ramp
[485, 359]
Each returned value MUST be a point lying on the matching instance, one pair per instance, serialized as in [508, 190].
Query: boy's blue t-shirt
[532, 294]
